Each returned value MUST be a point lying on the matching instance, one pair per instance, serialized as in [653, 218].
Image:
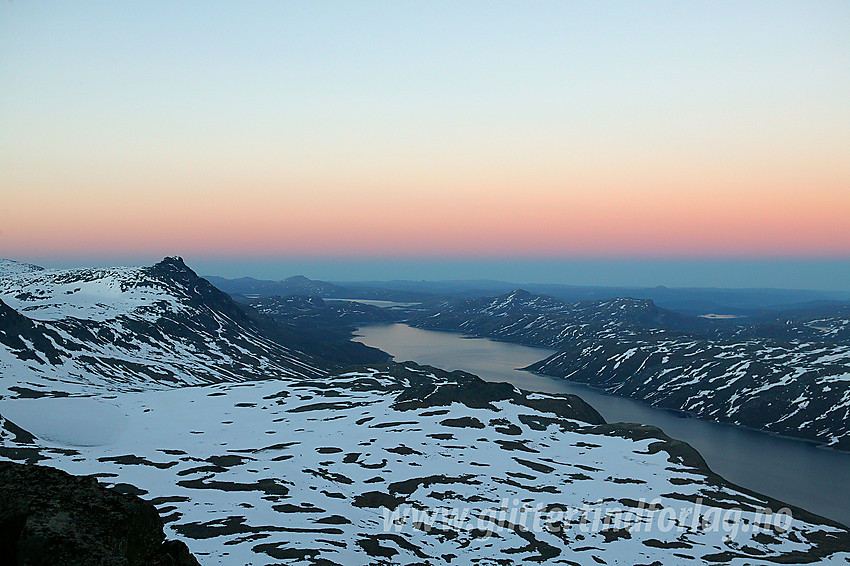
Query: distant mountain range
[777, 369]
[537, 320]
[687, 300]
[300, 285]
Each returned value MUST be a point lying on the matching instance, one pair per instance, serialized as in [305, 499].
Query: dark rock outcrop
[444, 388]
[49, 517]
[16, 330]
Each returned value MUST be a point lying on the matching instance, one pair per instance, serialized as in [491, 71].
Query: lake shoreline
[803, 473]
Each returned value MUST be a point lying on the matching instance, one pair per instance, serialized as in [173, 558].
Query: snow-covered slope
[9, 267]
[63, 331]
[799, 389]
[537, 320]
[370, 467]
[788, 373]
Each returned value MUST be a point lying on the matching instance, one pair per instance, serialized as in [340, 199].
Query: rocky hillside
[821, 324]
[782, 372]
[64, 331]
[799, 389]
[317, 325]
[312, 311]
[537, 320]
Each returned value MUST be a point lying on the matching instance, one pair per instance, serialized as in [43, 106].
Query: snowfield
[307, 470]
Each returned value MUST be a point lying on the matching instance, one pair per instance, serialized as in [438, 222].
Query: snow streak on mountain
[787, 374]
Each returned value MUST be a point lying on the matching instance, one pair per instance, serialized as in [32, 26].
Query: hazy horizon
[822, 274]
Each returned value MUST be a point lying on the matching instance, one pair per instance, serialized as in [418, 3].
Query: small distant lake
[793, 471]
[374, 302]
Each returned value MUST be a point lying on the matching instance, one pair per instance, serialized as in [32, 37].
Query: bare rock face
[49, 517]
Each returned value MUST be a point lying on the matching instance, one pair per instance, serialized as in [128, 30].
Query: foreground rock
[50, 517]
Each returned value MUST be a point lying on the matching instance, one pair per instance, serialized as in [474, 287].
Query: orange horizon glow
[549, 130]
[586, 223]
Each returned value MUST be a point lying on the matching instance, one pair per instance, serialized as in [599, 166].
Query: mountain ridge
[99, 324]
[787, 375]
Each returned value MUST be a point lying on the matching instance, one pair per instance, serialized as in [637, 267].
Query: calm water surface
[797, 472]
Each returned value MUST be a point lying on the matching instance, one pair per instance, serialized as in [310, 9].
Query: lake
[793, 471]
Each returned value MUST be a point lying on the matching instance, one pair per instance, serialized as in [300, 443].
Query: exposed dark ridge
[325, 327]
[444, 388]
[174, 271]
[201, 293]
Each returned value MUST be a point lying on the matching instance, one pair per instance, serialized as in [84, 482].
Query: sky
[368, 140]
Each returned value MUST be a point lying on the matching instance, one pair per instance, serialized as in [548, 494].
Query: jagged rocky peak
[182, 281]
[173, 267]
[175, 262]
